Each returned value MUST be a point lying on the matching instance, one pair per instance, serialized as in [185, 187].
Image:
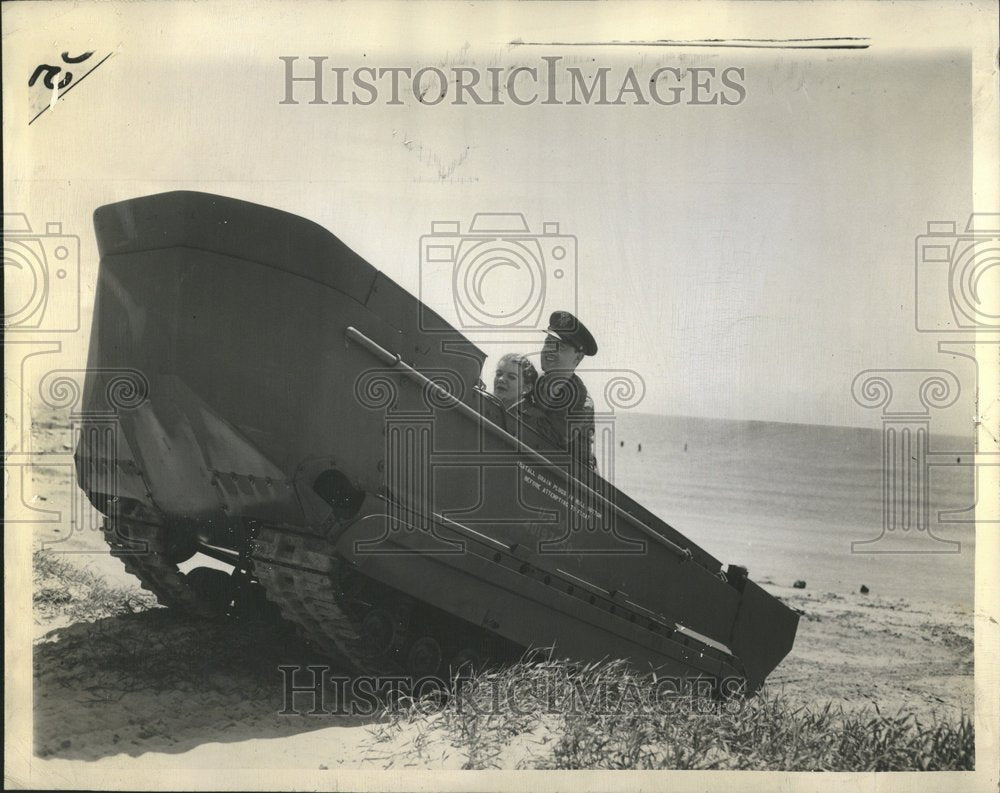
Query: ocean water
[788, 500]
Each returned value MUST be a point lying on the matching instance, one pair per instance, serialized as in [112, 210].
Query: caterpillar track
[148, 553]
[375, 628]
[349, 617]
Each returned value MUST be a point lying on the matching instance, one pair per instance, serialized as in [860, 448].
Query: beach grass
[605, 716]
[551, 714]
[61, 587]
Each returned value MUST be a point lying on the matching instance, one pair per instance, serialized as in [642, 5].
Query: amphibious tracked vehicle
[260, 394]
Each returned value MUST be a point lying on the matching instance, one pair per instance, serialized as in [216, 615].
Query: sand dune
[153, 688]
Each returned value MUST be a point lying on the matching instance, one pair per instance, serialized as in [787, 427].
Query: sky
[745, 261]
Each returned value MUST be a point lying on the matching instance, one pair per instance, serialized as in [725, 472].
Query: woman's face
[508, 384]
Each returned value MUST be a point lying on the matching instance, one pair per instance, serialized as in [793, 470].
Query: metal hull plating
[284, 385]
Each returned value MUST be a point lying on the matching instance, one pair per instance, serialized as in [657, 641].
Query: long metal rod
[222, 555]
[396, 362]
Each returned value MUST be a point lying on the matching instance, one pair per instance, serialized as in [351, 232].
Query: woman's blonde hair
[529, 374]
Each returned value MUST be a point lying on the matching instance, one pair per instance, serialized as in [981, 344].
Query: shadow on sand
[161, 681]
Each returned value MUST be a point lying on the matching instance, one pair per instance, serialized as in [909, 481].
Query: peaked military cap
[572, 331]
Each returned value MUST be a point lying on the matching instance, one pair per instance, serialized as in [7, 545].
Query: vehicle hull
[277, 380]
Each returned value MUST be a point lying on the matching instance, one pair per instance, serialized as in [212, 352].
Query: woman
[514, 379]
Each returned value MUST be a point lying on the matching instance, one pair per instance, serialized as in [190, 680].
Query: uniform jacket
[562, 412]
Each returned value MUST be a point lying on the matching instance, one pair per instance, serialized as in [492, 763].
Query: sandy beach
[122, 683]
[156, 689]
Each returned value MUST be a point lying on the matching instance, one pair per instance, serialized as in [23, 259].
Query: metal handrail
[396, 362]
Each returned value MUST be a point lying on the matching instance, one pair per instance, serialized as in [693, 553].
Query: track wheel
[379, 632]
[425, 657]
[179, 546]
[213, 587]
[464, 664]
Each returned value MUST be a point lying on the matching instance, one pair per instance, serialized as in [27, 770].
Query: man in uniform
[559, 407]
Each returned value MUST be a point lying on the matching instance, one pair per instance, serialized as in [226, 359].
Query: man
[559, 408]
